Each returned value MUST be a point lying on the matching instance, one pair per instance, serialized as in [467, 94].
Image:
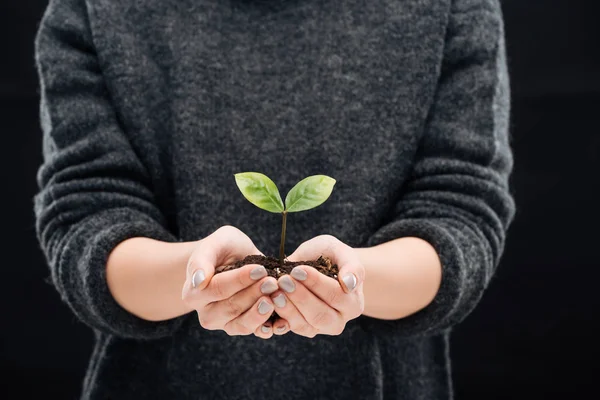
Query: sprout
[261, 191]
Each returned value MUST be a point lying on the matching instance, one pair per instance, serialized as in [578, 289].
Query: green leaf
[309, 193]
[260, 190]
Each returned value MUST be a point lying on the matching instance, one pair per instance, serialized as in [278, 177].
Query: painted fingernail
[281, 328]
[299, 274]
[198, 277]
[265, 329]
[258, 272]
[264, 307]
[287, 284]
[279, 301]
[350, 281]
[268, 287]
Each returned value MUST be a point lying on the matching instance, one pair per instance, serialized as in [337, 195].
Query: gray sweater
[148, 108]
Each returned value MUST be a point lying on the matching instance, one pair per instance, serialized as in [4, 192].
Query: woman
[149, 108]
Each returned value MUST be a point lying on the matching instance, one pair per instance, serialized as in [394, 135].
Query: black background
[533, 335]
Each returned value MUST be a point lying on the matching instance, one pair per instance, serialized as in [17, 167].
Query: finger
[221, 286]
[315, 311]
[232, 243]
[281, 327]
[315, 247]
[224, 246]
[328, 290]
[251, 320]
[226, 284]
[290, 317]
[265, 331]
[351, 273]
[200, 267]
[232, 307]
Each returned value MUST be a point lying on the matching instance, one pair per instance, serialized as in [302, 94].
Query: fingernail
[287, 284]
[350, 281]
[264, 307]
[265, 329]
[258, 272]
[268, 287]
[198, 278]
[298, 273]
[279, 301]
[281, 328]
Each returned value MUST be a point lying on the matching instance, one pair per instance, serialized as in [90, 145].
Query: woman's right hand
[235, 301]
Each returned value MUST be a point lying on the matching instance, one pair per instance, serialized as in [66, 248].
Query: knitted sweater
[149, 108]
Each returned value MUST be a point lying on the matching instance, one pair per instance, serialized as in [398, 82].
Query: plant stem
[281, 245]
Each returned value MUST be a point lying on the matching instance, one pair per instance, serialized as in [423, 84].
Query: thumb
[311, 249]
[201, 265]
[232, 244]
[351, 276]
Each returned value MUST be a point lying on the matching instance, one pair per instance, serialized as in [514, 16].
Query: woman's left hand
[310, 303]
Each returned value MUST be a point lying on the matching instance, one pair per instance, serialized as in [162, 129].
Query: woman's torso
[290, 88]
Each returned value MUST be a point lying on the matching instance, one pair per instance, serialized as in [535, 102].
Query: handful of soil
[274, 268]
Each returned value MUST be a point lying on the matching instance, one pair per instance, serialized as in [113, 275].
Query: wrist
[146, 277]
[403, 276]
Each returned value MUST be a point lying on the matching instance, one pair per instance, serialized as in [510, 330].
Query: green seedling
[261, 191]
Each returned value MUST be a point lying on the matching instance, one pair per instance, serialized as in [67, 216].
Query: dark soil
[274, 269]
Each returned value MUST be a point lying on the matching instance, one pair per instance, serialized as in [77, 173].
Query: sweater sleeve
[93, 190]
[458, 197]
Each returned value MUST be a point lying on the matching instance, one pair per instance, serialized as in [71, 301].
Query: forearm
[146, 277]
[402, 277]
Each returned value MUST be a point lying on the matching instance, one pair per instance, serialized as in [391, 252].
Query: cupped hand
[310, 303]
[236, 301]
